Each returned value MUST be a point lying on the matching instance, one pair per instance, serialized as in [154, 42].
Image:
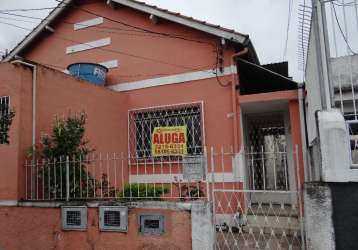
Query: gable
[215, 30]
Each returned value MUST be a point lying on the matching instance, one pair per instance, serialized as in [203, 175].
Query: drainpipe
[34, 78]
[307, 172]
[234, 84]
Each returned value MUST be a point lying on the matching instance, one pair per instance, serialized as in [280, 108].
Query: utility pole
[319, 25]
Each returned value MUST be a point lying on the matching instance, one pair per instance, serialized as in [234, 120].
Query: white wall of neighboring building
[313, 98]
[344, 78]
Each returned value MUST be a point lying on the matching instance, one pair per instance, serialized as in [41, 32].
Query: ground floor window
[4, 118]
[143, 122]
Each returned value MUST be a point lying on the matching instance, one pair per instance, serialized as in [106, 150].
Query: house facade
[237, 124]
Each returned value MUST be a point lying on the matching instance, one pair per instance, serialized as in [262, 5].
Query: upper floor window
[144, 123]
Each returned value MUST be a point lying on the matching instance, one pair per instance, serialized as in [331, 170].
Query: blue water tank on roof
[91, 72]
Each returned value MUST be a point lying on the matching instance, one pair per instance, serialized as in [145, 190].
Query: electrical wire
[34, 9]
[16, 26]
[353, 3]
[117, 75]
[167, 35]
[102, 29]
[115, 51]
[133, 26]
[216, 70]
[18, 20]
[341, 31]
[128, 76]
[138, 29]
[288, 27]
[112, 50]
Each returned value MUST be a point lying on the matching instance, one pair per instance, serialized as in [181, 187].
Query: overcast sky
[265, 21]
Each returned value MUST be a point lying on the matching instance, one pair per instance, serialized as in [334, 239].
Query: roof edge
[38, 29]
[143, 7]
[231, 36]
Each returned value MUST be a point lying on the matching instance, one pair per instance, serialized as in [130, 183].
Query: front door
[269, 157]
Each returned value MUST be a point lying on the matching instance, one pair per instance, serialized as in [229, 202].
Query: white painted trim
[88, 45]
[94, 204]
[8, 203]
[230, 35]
[88, 23]
[172, 178]
[110, 64]
[165, 106]
[172, 79]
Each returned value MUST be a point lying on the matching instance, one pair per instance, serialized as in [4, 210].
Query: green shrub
[141, 191]
[5, 123]
[66, 139]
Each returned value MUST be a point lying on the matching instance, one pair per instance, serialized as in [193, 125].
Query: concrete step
[268, 224]
[287, 210]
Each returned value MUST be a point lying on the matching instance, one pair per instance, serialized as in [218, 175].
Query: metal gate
[243, 219]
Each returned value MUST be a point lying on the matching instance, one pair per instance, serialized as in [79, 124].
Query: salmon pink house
[180, 108]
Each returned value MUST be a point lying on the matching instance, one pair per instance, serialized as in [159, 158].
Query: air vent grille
[152, 224]
[113, 218]
[74, 218]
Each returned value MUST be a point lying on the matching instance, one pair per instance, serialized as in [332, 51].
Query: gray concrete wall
[334, 148]
[202, 226]
[318, 217]
[313, 98]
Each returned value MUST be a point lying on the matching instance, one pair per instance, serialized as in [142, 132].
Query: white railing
[268, 170]
[255, 213]
[114, 176]
[123, 177]
[248, 219]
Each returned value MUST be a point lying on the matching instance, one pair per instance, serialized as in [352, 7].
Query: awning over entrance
[255, 79]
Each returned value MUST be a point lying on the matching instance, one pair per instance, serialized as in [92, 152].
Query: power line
[38, 9]
[19, 20]
[16, 26]
[341, 31]
[119, 52]
[216, 70]
[119, 75]
[132, 26]
[167, 35]
[176, 36]
[110, 50]
[33, 9]
[102, 29]
[349, 4]
[288, 27]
